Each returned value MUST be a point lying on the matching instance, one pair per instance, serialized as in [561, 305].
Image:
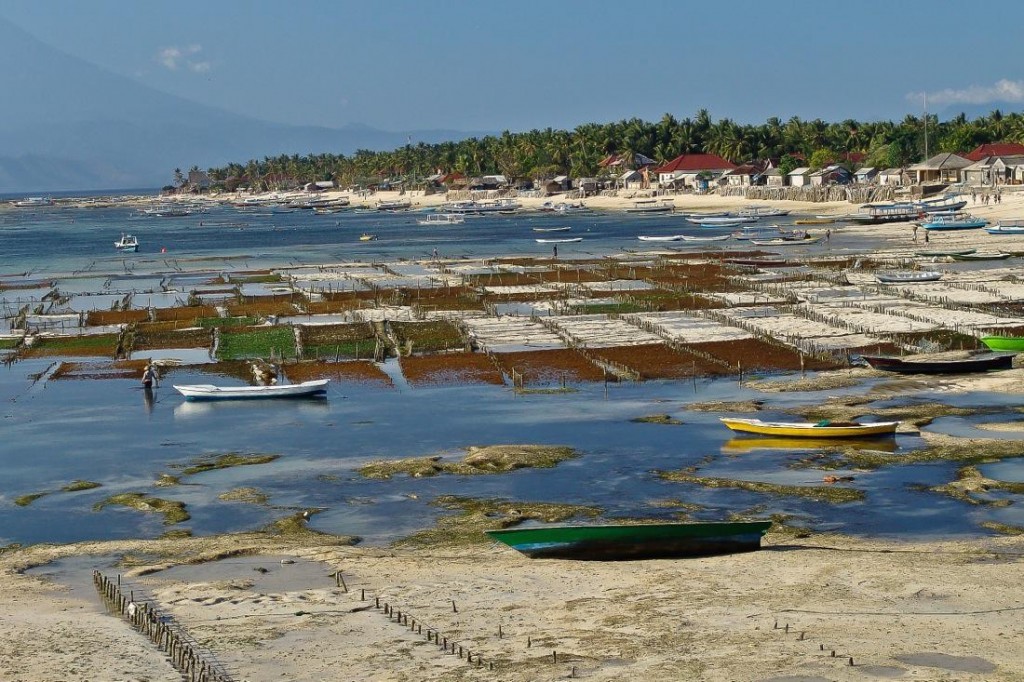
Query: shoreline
[914, 610]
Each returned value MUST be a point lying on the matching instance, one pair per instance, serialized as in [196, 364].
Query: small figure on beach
[435, 253]
[150, 379]
[554, 252]
[926, 236]
[828, 235]
[915, 233]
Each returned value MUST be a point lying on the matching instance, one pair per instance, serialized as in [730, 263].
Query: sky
[491, 66]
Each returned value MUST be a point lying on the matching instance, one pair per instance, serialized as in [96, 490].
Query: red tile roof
[995, 149]
[695, 162]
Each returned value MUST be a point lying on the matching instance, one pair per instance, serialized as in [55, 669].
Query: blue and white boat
[127, 242]
[956, 221]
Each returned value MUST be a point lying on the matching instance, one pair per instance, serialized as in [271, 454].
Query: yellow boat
[822, 429]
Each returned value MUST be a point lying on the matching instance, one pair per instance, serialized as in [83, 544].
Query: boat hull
[1015, 343]
[976, 364]
[810, 430]
[624, 542]
[307, 389]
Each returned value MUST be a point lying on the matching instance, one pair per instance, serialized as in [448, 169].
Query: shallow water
[55, 432]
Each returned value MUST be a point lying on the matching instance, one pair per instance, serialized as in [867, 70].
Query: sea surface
[106, 431]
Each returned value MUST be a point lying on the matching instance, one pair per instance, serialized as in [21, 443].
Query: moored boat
[565, 240]
[784, 241]
[710, 238]
[441, 219]
[822, 429]
[620, 542]
[565, 228]
[652, 206]
[127, 242]
[307, 389]
[1006, 227]
[394, 205]
[667, 238]
[953, 221]
[33, 202]
[871, 214]
[982, 362]
[981, 255]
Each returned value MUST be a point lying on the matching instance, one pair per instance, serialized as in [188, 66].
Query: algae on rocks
[173, 510]
[491, 459]
[225, 461]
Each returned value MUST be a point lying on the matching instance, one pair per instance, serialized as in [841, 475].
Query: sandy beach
[809, 607]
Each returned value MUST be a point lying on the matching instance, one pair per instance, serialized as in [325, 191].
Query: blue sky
[472, 65]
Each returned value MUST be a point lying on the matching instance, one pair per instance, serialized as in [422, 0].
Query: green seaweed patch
[167, 480]
[1002, 528]
[741, 406]
[225, 461]
[826, 381]
[832, 494]
[968, 451]
[177, 534]
[172, 510]
[246, 495]
[490, 459]
[296, 526]
[656, 419]
[478, 515]
[26, 500]
[971, 486]
[76, 486]
[921, 414]
[9, 344]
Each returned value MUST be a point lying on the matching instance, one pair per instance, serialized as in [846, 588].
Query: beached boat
[982, 362]
[667, 238]
[33, 202]
[394, 205]
[907, 276]
[619, 542]
[1003, 343]
[552, 229]
[945, 253]
[785, 241]
[307, 389]
[981, 255]
[762, 212]
[565, 207]
[707, 214]
[563, 240]
[482, 207]
[871, 214]
[948, 203]
[822, 429]
[127, 242]
[441, 219]
[953, 221]
[722, 221]
[766, 262]
[652, 206]
[1006, 227]
[711, 238]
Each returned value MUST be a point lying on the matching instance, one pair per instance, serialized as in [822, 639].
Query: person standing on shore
[915, 233]
[150, 379]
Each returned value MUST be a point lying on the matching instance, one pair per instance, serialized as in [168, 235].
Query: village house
[555, 185]
[198, 180]
[892, 176]
[798, 177]
[995, 170]
[773, 178]
[942, 168]
[742, 176]
[994, 149]
[830, 175]
[684, 170]
[866, 175]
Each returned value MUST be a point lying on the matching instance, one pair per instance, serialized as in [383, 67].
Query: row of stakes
[182, 650]
[802, 637]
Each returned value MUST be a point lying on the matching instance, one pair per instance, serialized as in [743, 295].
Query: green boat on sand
[1004, 342]
[620, 542]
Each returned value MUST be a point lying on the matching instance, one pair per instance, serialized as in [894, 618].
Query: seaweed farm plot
[450, 369]
[548, 367]
[761, 356]
[509, 334]
[522, 292]
[427, 337]
[163, 335]
[338, 341]
[256, 342]
[118, 369]
[963, 321]
[655, 361]
[684, 328]
[809, 336]
[96, 345]
[866, 321]
[350, 371]
[598, 331]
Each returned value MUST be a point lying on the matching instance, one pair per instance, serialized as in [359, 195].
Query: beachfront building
[893, 176]
[684, 170]
[631, 179]
[798, 177]
[995, 170]
[942, 168]
[742, 176]
[830, 175]
[773, 178]
[198, 180]
[866, 175]
[555, 185]
[995, 149]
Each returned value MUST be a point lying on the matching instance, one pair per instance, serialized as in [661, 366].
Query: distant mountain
[67, 124]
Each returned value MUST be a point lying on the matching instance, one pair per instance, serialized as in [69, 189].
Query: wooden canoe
[977, 363]
[619, 542]
[823, 429]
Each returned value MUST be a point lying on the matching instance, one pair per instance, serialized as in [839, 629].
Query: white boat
[652, 206]
[782, 241]
[565, 207]
[907, 276]
[669, 238]
[33, 202]
[127, 242]
[724, 221]
[948, 203]
[496, 206]
[715, 238]
[1006, 227]
[552, 229]
[567, 240]
[707, 214]
[306, 389]
[394, 205]
[441, 219]
[762, 212]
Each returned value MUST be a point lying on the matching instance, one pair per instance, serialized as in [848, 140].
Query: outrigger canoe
[618, 542]
[1004, 342]
[822, 429]
[307, 389]
[977, 363]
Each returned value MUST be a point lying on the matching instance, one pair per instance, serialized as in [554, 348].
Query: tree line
[578, 152]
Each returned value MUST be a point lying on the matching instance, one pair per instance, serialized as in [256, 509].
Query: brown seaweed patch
[450, 369]
[354, 371]
[172, 510]
[102, 318]
[85, 345]
[119, 369]
[477, 515]
[557, 365]
[246, 495]
[755, 355]
[832, 494]
[491, 459]
[656, 419]
[225, 461]
[657, 361]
